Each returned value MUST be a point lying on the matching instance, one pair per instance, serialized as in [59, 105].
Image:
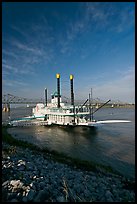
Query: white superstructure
[58, 113]
[64, 115]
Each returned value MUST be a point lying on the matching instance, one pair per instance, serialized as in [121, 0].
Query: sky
[94, 41]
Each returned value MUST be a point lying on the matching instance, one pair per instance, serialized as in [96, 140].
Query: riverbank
[29, 174]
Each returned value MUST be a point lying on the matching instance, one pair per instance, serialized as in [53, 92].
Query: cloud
[34, 48]
[10, 54]
[93, 17]
[111, 16]
[20, 31]
[32, 44]
[13, 83]
[12, 69]
[96, 11]
[122, 88]
[27, 48]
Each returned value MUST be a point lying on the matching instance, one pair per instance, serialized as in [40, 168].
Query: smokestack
[58, 88]
[46, 97]
[71, 88]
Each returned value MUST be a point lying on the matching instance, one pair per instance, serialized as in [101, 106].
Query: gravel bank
[29, 176]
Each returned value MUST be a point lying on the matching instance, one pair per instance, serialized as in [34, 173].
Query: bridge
[8, 99]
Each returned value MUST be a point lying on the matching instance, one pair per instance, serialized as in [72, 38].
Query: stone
[25, 199]
[14, 200]
[109, 196]
[14, 182]
[33, 186]
[21, 162]
[5, 183]
[31, 195]
[91, 188]
[86, 193]
[21, 167]
[93, 178]
[42, 195]
[61, 199]
[42, 184]
[11, 195]
[110, 199]
[30, 166]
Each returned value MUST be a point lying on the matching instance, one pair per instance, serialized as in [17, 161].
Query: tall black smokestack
[58, 88]
[71, 88]
[46, 97]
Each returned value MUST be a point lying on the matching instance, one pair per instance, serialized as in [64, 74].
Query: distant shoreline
[106, 106]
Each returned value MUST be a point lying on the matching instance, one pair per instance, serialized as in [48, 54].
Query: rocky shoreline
[32, 176]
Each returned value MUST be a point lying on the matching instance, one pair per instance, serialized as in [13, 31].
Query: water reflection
[111, 144]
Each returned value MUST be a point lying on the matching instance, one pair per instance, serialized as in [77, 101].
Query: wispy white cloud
[13, 83]
[9, 53]
[111, 16]
[93, 17]
[26, 47]
[10, 68]
[40, 42]
[101, 15]
[33, 50]
[20, 31]
[122, 88]
[15, 69]
[95, 11]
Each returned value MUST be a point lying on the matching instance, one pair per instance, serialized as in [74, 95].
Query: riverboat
[58, 113]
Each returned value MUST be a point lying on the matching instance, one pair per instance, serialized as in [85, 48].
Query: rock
[25, 199]
[5, 183]
[91, 188]
[35, 172]
[41, 180]
[109, 196]
[19, 196]
[42, 195]
[86, 193]
[30, 166]
[78, 188]
[14, 200]
[11, 195]
[42, 184]
[33, 186]
[21, 162]
[93, 178]
[21, 167]
[61, 199]
[14, 182]
[110, 199]
[31, 195]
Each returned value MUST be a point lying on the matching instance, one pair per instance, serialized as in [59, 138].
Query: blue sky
[94, 41]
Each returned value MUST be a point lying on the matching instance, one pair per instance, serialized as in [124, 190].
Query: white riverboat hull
[34, 122]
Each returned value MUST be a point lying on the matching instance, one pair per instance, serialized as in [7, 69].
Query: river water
[108, 144]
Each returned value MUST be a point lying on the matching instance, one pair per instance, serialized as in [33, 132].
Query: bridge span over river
[8, 99]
